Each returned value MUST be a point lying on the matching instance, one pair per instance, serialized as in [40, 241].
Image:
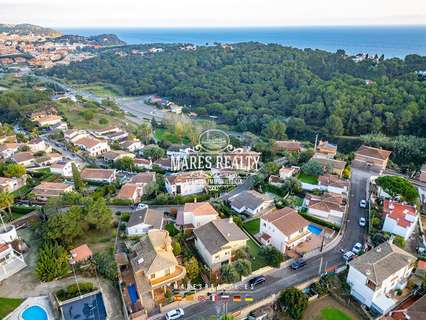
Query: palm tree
[6, 201]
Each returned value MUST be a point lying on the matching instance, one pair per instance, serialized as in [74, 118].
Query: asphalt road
[284, 278]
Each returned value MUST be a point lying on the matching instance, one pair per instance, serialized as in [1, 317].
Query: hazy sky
[188, 13]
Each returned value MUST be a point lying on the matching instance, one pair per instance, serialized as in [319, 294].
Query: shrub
[176, 248]
[243, 267]
[125, 216]
[272, 256]
[294, 302]
[75, 290]
[399, 241]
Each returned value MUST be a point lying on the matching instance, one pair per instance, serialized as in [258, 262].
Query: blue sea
[392, 41]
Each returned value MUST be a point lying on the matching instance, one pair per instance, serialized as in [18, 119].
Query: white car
[175, 314]
[357, 248]
[362, 222]
[348, 256]
[141, 206]
[363, 204]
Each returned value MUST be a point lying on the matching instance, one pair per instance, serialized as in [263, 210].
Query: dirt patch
[315, 307]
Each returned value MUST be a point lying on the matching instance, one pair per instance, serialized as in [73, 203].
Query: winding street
[280, 279]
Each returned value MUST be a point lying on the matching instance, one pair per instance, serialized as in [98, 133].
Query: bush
[293, 302]
[228, 274]
[106, 266]
[125, 216]
[312, 168]
[75, 290]
[176, 248]
[272, 256]
[399, 241]
[398, 186]
[243, 267]
[319, 221]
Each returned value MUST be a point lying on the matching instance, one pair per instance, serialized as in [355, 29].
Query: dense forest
[249, 84]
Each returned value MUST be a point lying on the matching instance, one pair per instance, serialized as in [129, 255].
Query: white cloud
[188, 13]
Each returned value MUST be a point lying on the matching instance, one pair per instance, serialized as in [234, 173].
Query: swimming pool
[314, 229]
[34, 313]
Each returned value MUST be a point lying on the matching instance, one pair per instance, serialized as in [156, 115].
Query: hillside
[251, 84]
[25, 29]
[104, 40]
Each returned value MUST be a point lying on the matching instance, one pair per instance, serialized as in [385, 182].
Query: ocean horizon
[392, 41]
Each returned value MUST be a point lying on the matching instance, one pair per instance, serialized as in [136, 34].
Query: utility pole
[320, 266]
[316, 141]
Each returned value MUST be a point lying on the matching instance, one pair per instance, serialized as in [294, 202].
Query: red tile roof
[81, 253]
[398, 211]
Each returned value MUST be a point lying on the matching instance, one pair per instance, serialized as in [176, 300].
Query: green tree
[243, 267]
[78, 182]
[399, 241]
[14, 170]
[97, 214]
[105, 265]
[6, 201]
[153, 152]
[270, 168]
[52, 262]
[176, 248]
[273, 256]
[312, 168]
[144, 132]
[229, 274]
[294, 302]
[125, 163]
[399, 186]
[334, 125]
[65, 227]
[192, 268]
[275, 130]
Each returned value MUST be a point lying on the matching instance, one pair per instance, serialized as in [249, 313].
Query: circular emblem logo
[214, 140]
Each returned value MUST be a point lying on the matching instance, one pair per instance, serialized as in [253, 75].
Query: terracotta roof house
[326, 149]
[63, 168]
[115, 155]
[401, 219]
[154, 265]
[217, 241]
[286, 173]
[46, 190]
[131, 192]
[283, 228]
[371, 157]
[336, 166]
[144, 178]
[333, 183]
[12, 184]
[131, 145]
[374, 276]
[25, 159]
[81, 253]
[8, 149]
[250, 201]
[330, 207]
[92, 146]
[98, 175]
[415, 311]
[196, 214]
[287, 145]
[142, 163]
[143, 220]
[164, 163]
[186, 183]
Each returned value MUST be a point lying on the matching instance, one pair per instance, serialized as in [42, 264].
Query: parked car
[362, 222]
[357, 248]
[253, 282]
[348, 256]
[298, 264]
[363, 204]
[141, 206]
[175, 314]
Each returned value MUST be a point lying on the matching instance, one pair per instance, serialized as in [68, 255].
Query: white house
[73, 135]
[286, 173]
[330, 207]
[132, 145]
[401, 219]
[92, 146]
[333, 183]
[142, 163]
[196, 214]
[37, 145]
[374, 276]
[283, 228]
[115, 155]
[12, 184]
[63, 168]
[186, 183]
[250, 201]
[46, 190]
[11, 261]
[217, 241]
[141, 221]
[8, 149]
[25, 159]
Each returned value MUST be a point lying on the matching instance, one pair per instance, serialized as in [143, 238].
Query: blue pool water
[314, 229]
[34, 313]
[133, 294]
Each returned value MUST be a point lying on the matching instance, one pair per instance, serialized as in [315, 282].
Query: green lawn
[333, 314]
[307, 178]
[102, 90]
[7, 305]
[162, 134]
[252, 226]
[257, 261]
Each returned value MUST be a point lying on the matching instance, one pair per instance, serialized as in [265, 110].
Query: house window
[152, 276]
[371, 285]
